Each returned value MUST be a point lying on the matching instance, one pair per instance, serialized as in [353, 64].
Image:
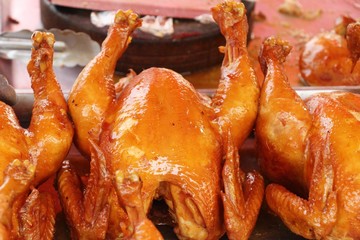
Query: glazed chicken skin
[332, 58]
[283, 122]
[159, 138]
[329, 141]
[30, 156]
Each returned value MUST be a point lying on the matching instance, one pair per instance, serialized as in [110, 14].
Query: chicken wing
[328, 151]
[158, 128]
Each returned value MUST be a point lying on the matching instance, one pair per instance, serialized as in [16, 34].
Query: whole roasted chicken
[30, 156]
[158, 138]
[331, 58]
[311, 148]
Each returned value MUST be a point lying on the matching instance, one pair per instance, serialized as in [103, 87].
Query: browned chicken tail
[129, 192]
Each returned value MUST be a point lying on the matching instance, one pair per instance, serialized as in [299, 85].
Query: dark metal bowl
[192, 47]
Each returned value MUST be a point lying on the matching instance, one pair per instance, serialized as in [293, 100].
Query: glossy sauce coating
[330, 166]
[29, 156]
[158, 134]
[137, 140]
[283, 122]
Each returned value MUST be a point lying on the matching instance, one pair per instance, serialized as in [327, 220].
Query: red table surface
[297, 29]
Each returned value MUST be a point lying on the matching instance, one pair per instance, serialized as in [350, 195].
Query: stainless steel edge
[304, 91]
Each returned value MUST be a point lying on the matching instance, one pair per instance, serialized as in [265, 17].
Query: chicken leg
[161, 129]
[283, 122]
[236, 104]
[30, 156]
[236, 99]
[328, 165]
[50, 132]
[89, 99]
[97, 78]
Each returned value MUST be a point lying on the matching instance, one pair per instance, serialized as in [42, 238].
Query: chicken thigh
[159, 138]
[30, 156]
[322, 154]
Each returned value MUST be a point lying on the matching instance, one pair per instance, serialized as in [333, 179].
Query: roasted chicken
[158, 138]
[283, 121]
[30, 156]
[309, 146]
[331, 58]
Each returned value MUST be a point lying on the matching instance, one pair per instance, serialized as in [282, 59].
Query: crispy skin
[87, 108]
[283, 122]
[161, 131]
[30, 156]
[236, 105]
[237, 97]
[50, 132]
[92, 94]
[330, 166]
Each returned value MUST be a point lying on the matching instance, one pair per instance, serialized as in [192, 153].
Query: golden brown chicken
[29, 156]
[159, 138]
[283, 121]
[332, 58]
[323, 132]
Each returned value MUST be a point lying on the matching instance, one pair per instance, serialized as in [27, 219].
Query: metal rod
[10, 43]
